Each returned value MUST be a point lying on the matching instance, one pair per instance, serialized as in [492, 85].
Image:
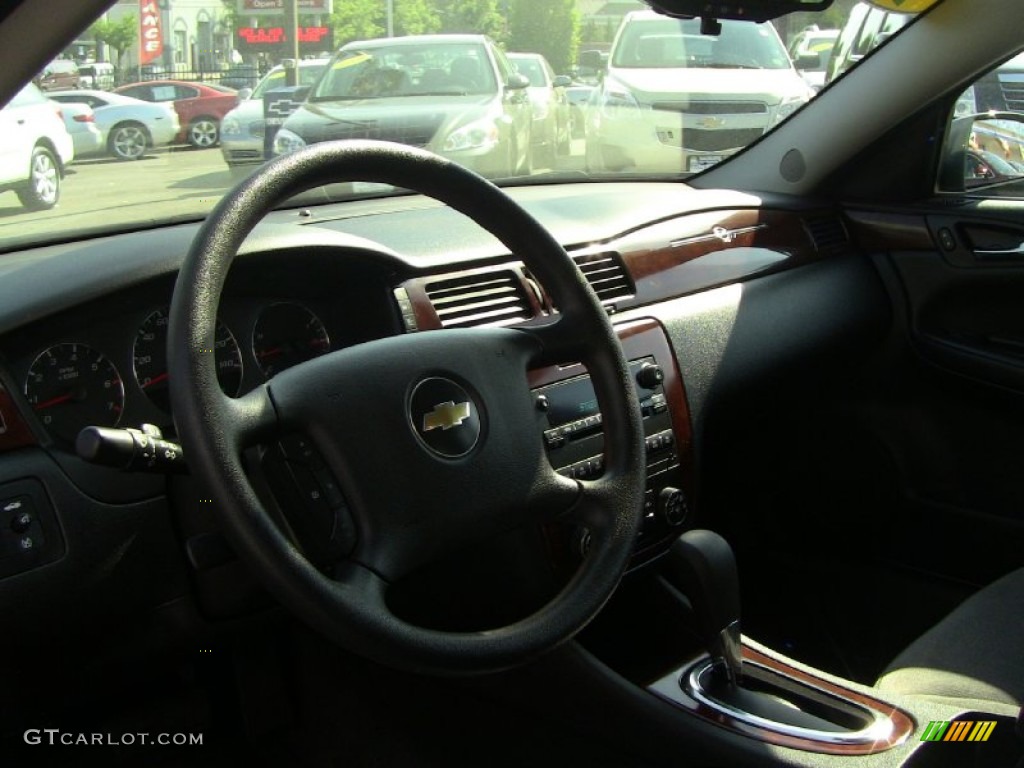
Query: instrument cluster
[114, 373]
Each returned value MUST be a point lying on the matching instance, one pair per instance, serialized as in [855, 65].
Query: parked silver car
[551, 129]
[129, 126]
[243, 129]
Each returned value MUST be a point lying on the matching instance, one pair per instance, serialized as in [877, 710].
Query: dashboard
[83, 331]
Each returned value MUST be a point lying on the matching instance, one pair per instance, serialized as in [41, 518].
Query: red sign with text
[151, 33]
[275, 35]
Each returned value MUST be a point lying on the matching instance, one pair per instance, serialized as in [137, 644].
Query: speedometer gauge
[71, 386]
[151, 359]
[286, 334]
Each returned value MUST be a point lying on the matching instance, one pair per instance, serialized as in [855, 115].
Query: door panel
[950, 402]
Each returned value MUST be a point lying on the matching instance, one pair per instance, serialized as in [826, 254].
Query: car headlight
[229, 126]
[482, 134]
[787, 108]
[286, 141]
[615, 99]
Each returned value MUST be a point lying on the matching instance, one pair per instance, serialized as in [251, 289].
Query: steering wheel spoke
[252, 418]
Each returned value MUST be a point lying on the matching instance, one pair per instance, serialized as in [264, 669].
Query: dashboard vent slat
[828, 234]
[606, 274]
[492, 299]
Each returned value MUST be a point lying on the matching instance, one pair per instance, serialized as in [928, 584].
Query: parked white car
[80, 121]
[129, 126]
[673, 99]
[36, 148]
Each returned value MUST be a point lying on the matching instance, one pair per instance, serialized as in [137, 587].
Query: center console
[571, 425]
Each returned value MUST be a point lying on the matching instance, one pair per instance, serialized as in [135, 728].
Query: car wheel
[203, 132]
[128, 141]
[43, 189]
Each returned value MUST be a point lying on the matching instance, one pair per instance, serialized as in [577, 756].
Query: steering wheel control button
[445, 417]
[21, 522]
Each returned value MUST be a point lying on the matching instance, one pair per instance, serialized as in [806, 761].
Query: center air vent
[606, 275]
[828, 234]
[488, 298]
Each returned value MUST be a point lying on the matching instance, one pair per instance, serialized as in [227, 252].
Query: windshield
[530, 68]
[659, 43]
[639, 96]
[403, 70]
[277, 78]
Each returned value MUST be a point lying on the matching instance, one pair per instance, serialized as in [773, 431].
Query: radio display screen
[570, 401]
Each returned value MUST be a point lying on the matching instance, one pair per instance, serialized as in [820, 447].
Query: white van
[98, 76]
[699, 97]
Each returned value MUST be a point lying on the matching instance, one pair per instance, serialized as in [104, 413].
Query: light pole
[391, 17]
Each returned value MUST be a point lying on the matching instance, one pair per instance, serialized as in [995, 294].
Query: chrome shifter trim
[879, 729]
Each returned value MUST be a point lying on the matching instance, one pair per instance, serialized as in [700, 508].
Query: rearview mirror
[745, 10]
[562, 81]
[244, 93]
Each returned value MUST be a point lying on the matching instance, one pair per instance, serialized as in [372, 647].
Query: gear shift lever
[701, 565]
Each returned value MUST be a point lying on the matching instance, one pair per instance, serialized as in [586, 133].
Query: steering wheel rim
[319, 397]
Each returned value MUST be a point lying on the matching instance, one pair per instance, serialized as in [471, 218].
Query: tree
[481, 17]
[357, 20]
[415, 17]
[548, 27]
[119, 35]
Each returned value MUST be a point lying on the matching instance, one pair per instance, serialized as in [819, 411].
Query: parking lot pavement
[174, 182]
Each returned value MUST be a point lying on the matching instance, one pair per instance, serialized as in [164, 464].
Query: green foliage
[480, 17]
[549, 27]
[119, 35]
[358, 20]
[416, 17]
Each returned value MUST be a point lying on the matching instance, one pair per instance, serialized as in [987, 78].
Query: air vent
[606, 274]
[828, 235]
[489, 298]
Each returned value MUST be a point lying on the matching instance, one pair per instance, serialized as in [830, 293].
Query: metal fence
[236, 77]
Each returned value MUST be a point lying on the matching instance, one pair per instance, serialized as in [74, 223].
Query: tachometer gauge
[151, 359]
[286, 334]
[71, 386]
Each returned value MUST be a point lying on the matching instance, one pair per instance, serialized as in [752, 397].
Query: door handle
[1009, 254]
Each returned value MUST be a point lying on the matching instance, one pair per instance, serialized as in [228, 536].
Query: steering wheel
[416, 493]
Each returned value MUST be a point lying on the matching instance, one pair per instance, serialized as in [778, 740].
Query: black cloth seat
[976, 653]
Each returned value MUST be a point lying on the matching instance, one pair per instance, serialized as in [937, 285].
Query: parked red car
[200, 106]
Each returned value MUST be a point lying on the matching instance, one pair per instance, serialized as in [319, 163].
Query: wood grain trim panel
[14, 430]
[672, 258]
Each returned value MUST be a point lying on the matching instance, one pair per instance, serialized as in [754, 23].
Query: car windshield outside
[651, 98]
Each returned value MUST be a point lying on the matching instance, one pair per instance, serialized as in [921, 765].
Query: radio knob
[650, 375]
[672, 506]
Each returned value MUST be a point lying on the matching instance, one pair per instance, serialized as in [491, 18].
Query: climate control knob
[650, 376]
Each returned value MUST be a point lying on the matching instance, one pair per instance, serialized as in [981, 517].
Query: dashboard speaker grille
[482, 299]
[606, 274]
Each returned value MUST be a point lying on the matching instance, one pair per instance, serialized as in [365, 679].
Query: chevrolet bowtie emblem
[446, 415]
